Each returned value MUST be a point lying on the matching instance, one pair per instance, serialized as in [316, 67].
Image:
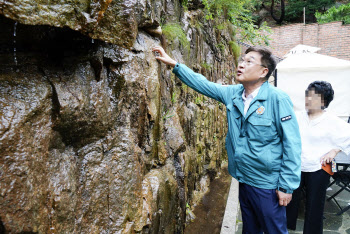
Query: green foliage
[237, 12]
[235, 50]
[206, 66]
[173, 97]
[168, 115]
[341, 13]
[198, 100]
[294, 8]
[221, 26]
[172, 31]
[184, 86]
[221, 47]
[184, 3]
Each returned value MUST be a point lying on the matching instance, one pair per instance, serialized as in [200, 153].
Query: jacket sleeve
[199, 83]
[290, 173]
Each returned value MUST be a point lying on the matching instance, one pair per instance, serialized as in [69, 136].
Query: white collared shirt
[249, 99]
[319, 136]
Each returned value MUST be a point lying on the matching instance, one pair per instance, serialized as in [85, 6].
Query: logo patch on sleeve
[286, 118]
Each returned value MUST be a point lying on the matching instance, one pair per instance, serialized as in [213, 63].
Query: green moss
[184, 4]
[221, 26]
[206, 66]
[174, 97]
[198, 100]
[184, 86]
[235, 50]
[195, 22]
[172, 31]
[221, 46]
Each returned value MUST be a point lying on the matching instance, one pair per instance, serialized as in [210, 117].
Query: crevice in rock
[55, 102]
[54, 98]
[2, 227]
[141, 120]
[180, 178]
[97, 66]
[116, 79]
[108, 208]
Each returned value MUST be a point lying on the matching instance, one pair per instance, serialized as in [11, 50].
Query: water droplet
[14, 43]
[14, 29]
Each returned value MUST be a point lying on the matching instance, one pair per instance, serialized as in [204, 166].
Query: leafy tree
[294, 9]
[280, 19]
[341, 13]
[273, 12]
[238, 14]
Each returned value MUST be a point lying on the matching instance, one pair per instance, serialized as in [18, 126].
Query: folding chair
[342, 179]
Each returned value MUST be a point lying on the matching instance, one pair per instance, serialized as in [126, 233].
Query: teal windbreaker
[263, 147]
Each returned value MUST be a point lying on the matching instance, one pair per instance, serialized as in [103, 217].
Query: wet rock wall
[96, 136]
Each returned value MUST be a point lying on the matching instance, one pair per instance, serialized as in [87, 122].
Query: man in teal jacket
[263, 140]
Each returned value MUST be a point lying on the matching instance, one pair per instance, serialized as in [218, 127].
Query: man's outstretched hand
[163, 56]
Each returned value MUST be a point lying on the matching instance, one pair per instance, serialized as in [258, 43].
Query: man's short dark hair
[266, 58]
[324, 89]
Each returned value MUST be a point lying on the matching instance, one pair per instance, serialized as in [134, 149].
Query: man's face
[313, 101]
[250, 68]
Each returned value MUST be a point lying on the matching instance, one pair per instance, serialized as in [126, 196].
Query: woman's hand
[329, 156]
[163, 56]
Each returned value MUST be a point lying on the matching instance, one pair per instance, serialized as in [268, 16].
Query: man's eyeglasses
[248, 62]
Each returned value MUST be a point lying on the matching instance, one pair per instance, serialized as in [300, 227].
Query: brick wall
[333, 38]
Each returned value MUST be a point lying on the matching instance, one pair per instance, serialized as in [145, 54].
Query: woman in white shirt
[323, 136]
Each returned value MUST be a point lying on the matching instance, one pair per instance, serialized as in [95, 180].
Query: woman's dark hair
[324, 89]
[266, 58]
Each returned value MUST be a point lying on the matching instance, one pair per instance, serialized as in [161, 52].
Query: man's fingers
[160, 58]
[284, 202]
[159, 50]
[281, 202]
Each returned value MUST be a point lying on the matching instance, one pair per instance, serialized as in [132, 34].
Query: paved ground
[231, 210]
[333, 224]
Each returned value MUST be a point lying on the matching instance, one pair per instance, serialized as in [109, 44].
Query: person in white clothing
[323, 136]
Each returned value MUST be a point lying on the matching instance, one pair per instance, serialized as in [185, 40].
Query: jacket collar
[262, 95]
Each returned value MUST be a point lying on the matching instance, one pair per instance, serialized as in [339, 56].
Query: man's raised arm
[194, 80]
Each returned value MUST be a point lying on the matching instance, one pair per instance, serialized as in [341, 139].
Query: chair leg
[339, 191]
[336, 202]
[346, 187]
[343, 210]
[333, 182]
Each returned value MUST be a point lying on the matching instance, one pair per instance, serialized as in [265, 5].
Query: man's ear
[264, 72]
